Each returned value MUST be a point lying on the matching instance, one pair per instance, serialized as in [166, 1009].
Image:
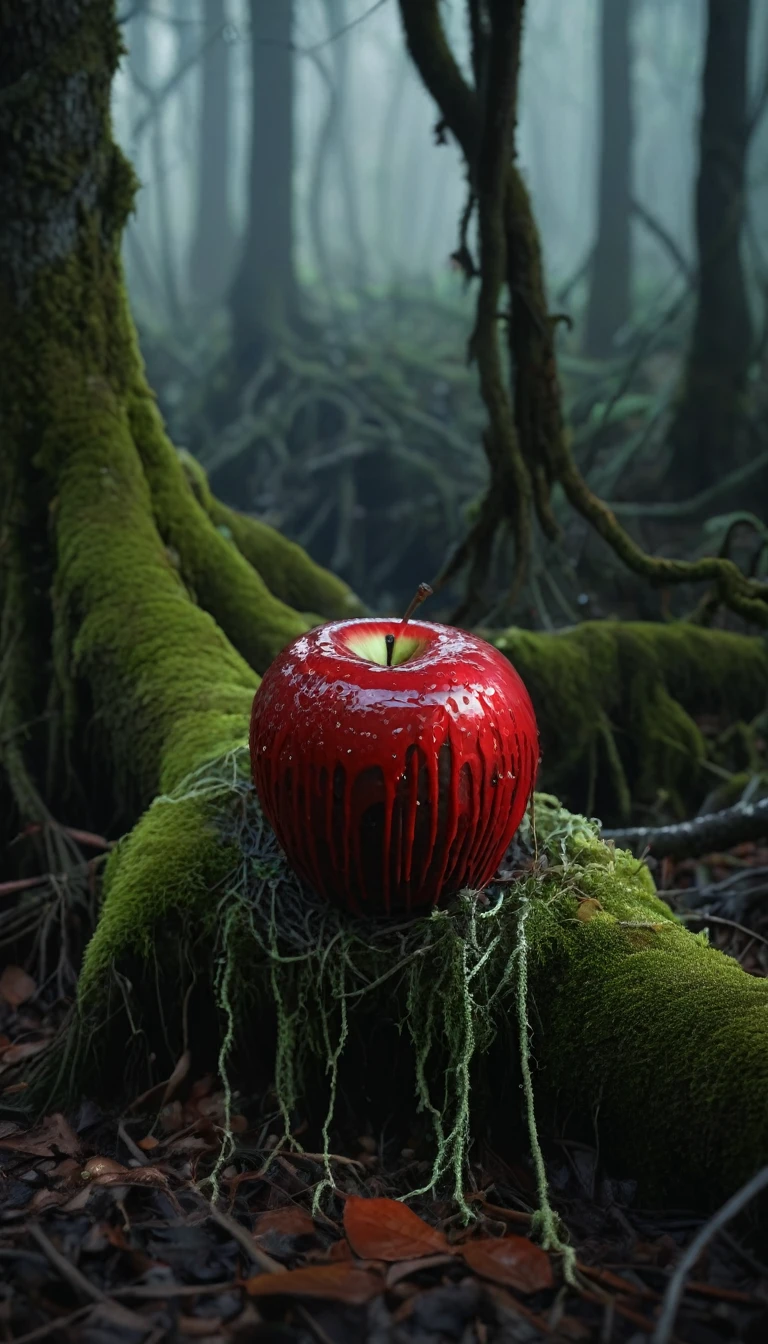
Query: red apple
[391, 787]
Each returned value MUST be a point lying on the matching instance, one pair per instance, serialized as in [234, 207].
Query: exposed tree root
[703, 835]
[627, 1008]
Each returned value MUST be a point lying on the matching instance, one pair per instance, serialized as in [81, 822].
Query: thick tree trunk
[705, 431]
[121, 597]
[212, 239]
[263, 297]
[610, 299]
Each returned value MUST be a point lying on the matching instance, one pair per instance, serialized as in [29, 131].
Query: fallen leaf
[199, 1327]
[16, 986]
[148, 1143]
[340, 1250]
[96, 1167]
[588, 908]
[384, 1229]
[133, 1176]
[290, 1221]
[14, 1054]
[45, 1199]
[52, 1137]
[342, 1282]
[78, 1200]
[514, 1262]
[397, 1272]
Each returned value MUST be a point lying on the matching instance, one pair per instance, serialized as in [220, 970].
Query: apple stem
[389, 640]
[423, 591]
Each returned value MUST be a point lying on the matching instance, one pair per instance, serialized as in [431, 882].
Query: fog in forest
[372, 191]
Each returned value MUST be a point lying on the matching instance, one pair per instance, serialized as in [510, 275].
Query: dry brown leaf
[14, 1054]
[514, 1262]
[96, 1167]
[384, 1229]
[16, 986]
[53, 1137]
[45, 1199]
[133, 1176]
[199, 1327]
[397, 1272]
[339, 1250]
[148, 1143]
[290, 1221]
[343, 1282]
[588, 908]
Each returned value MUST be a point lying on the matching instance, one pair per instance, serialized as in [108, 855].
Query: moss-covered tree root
[618, 702]
[637, 1026]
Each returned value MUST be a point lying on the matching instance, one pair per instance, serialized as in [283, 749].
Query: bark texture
[121, 597]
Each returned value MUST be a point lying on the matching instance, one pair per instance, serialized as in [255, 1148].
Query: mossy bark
[120, 595]
[618, 701]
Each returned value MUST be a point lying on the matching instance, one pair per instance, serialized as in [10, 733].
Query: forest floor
[108, 1230]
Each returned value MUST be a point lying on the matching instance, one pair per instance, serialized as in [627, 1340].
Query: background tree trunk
[213, 235]
[263, 297]
[337, 18]
[610, 297]
[704, 433]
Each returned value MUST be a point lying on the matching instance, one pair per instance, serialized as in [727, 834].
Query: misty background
[377, 195]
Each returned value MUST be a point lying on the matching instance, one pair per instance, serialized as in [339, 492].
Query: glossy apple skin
[391, 788]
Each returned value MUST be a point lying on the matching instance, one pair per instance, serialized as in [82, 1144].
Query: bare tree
[263, 296]
[213, 235]
[705, 430]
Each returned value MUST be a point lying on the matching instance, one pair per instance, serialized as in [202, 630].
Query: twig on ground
[80, 1284]
[676, 1286]
[244, 1239]
[704, 918]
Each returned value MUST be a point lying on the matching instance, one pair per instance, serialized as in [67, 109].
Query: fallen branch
[702, 835]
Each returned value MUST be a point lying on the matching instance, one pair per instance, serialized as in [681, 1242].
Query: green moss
[221, 579]
[636, 1020]
[285, 567]
[168, 686]
[165, 686]
[625, 694]
[662, 1038]
[172, 861]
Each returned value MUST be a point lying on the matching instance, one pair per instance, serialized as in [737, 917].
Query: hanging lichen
[630, 1009]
